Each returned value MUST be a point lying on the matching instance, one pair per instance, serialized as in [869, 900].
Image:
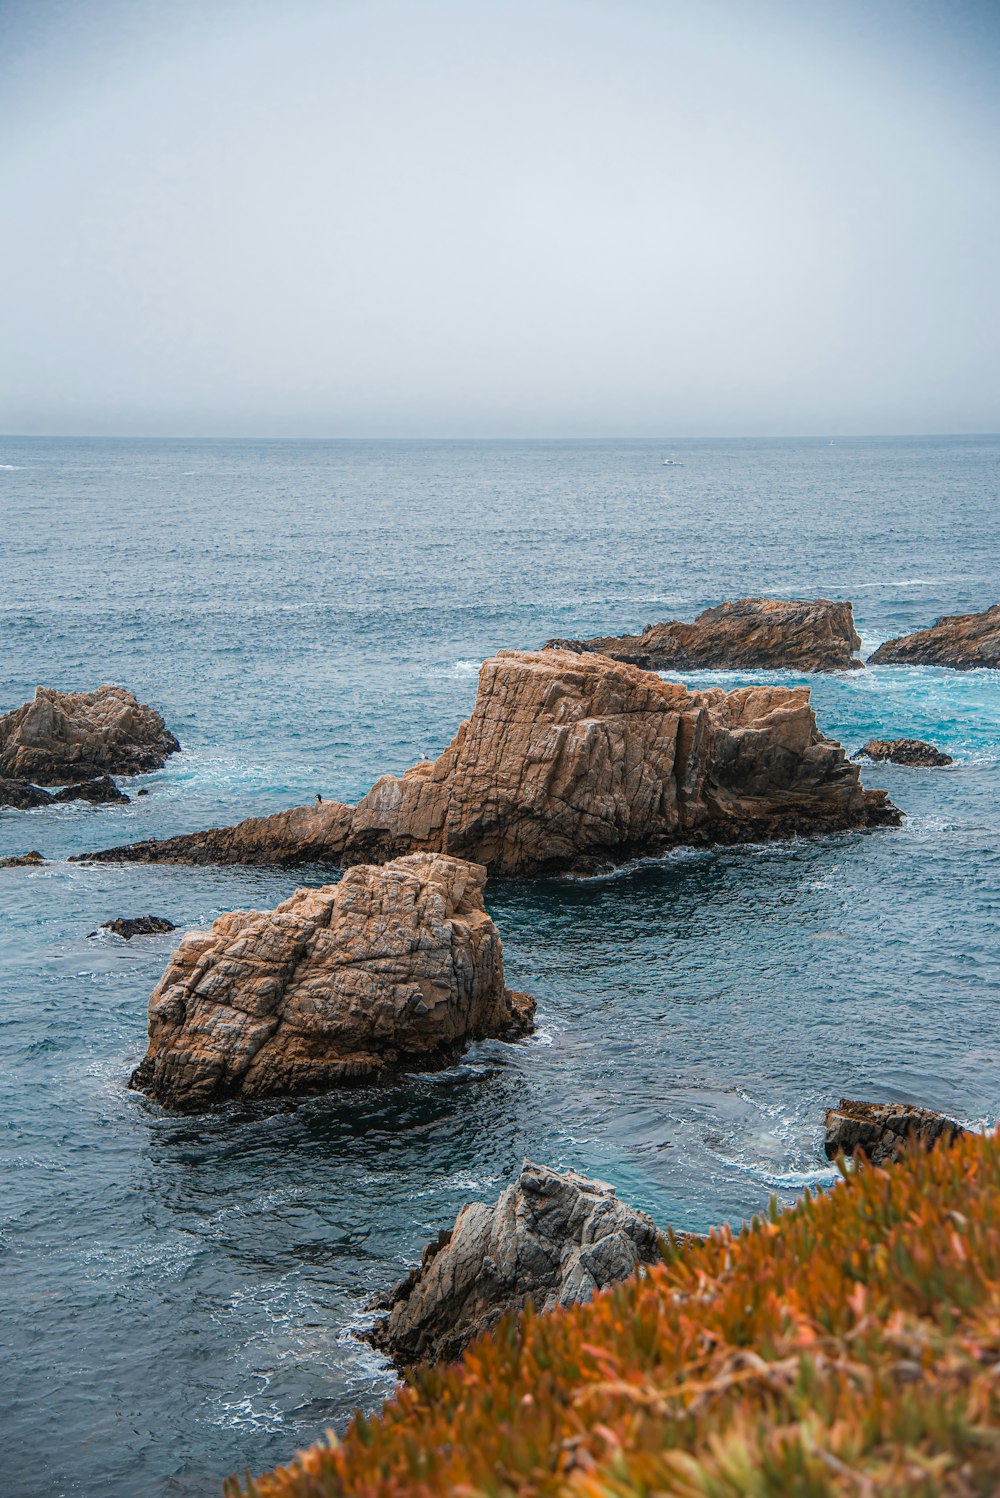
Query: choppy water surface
[180, 1293]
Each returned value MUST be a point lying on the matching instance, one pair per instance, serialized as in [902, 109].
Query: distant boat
[672, 463]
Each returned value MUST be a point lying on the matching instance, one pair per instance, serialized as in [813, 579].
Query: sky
[476, 218]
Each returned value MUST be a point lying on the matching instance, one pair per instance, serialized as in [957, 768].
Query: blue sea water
[180, 1293]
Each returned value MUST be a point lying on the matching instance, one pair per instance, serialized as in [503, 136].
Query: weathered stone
[963, 641]
[21, 860]
[140, 925]
[21, 795]
[883, 1130]
[746, 634]
[100, 791]
[575, 762]
[552, 1239]
[62, 736]
[392, 969]
[904, 752]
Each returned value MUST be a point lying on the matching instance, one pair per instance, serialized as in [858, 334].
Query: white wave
[13, 467]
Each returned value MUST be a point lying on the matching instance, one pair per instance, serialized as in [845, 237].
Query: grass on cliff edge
[850, 1345]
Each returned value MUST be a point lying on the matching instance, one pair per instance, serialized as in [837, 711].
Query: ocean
[181, 1293]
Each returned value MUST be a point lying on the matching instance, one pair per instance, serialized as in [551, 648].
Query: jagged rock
[748, 633]
[883, 1130]
[394, 968]
[100, 791]
[575, 762]
[552, 1239]
[21, 860]
[963, 641]
[22, 796]
[140, 925]
[61, 736]
[904, 752]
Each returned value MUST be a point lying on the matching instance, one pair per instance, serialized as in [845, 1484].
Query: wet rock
[394, 968]
[140, 925]
[21, 860]
[575, 762]
[904, 752]
[963, 641]
[552, 1239]
[748, 633]
[101, 791]
[64, 736]
[21, 796]
[883, 1130]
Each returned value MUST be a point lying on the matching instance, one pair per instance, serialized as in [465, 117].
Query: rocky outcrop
[64, 736]
[394, 968]
[883, 1130]
[963, 641]
[749, 633]
[21, 795]
[552, 1239]
[904, 752]
[575, 762]
[102, 791]
[22, 860]
[140, 925]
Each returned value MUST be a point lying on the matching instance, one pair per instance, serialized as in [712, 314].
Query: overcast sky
[492, 218]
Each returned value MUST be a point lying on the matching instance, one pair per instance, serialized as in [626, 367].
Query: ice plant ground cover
[849, 1345]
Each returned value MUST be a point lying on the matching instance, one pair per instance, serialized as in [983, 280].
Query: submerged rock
[575, 762]
[884, 1130]
[749, 633]
[62, 736]
[904, 752]
[21, 860]
[552, 1239]
[140, 925]
[394, 968]
[22, 796]
[964, 641]
[101, 791]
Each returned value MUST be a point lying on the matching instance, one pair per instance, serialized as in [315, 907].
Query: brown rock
[749, 633]
[393, 968]
[22, 796]
[21, 860]
[883, 1130]
[101, 791]
[552, 1239]
[62, 736]
[963, 641]
[575, 762]
[904, 752]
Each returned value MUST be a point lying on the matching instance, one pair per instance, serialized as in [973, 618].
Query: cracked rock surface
[552, 1239]
[904, 752]
[963, 641]
[71, 736]
[575, 762]
[884, 1130]
[394, 968]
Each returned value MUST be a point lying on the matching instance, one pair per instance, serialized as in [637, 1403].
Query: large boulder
[552, 1239]
[100, 791]
[881, 1131]
[963, 641]
[21, 795]
[904, 752]
[575, 762]
[73, 736]
[747, 633]
[394, 968]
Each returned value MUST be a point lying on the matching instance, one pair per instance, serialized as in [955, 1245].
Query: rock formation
[140, 925]
[963, 641]
[63, 736]
[575, 762]
[552, 1239]
[101, 791]
[801, 635]
[21, 795]
[883, 1130]
[394, 968]
[904, 752]
[21, 860]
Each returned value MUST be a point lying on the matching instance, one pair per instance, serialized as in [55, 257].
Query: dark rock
[140, 925]
[63, 736]
[552, 1239]
[22, 796]
[747, 634]
[904, 752]
[574, 762]
[883, 1130]
[963, 641]
[143, 791]
[21, 861]
[100, 791]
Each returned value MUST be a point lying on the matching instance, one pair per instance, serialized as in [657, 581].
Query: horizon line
[832, 437]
